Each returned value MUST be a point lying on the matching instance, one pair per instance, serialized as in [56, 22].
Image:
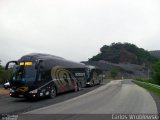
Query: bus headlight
[33, 91]
[12, 91]
[88, 83]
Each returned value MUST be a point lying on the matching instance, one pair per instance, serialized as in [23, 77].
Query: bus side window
[44, 76]
[88, 73]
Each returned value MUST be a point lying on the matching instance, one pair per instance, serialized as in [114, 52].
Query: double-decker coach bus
[39, 75]
[94, 75]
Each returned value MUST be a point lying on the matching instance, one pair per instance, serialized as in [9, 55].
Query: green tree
[113, 53]
[114, 72]
[4, 74]
[156, 72]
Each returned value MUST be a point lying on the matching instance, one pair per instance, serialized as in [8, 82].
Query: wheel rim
[78, 87]
[53, 92]
[92, 83]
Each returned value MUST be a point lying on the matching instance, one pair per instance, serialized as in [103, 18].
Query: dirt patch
[3, 91]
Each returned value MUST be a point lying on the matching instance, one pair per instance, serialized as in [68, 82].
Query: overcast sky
[76, 29]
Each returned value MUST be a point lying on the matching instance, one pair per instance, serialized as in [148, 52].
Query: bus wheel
[53, 92]
[78, 87]
[99, 82]
[92, 83]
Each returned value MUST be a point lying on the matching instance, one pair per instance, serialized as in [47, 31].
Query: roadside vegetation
[113, 74]
[154, 80]
[4, 75]
[155, 75]
[148, 87]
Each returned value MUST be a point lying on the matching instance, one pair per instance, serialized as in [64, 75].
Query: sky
[76, 29]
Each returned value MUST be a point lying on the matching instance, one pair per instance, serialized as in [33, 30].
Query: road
[16, 106]
[116, 97]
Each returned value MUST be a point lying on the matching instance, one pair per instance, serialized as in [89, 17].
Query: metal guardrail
[153, 85]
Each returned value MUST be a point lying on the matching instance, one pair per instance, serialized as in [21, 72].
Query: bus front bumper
[25, 95]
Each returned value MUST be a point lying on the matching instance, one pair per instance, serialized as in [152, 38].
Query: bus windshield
[25, 73]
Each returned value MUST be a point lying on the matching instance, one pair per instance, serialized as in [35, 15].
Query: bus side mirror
[7, 65]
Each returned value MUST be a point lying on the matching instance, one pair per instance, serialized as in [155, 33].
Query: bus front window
[25, 73]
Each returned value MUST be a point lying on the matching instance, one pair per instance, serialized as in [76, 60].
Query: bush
[114, 73]
[156, 72]
[4, 75]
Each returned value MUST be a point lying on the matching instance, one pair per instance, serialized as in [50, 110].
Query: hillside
[124, 53]
[125, 70]
[129, 60]
[155, 53]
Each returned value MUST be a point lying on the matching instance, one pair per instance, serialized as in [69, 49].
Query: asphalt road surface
[15, 106]
[115, 100]
[115, 97]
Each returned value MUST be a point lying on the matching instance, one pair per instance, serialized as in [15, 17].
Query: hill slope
[155, 53]
[124, 53]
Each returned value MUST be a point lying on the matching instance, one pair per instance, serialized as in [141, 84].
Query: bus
[39, 75]
[94, 75]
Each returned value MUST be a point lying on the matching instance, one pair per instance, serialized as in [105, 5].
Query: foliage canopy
[124, 53]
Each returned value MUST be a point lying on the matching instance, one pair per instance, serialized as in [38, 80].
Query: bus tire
[78, 87]
[53, 92]
[99, 82]
[92, 83]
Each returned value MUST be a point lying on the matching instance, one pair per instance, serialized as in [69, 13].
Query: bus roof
[52, 60]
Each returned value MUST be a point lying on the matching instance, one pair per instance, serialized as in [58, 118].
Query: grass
[157, 82]
[148, 87]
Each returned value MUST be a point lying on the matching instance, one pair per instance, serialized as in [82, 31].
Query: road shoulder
[4, 91]
[156, 98]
